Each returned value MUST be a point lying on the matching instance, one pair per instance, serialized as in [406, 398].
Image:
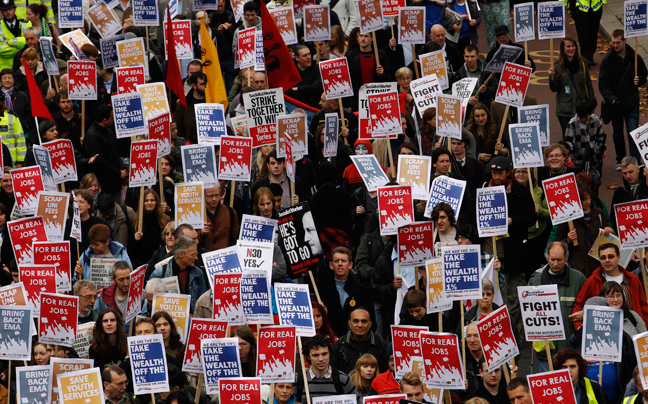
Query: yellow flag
[215, 90]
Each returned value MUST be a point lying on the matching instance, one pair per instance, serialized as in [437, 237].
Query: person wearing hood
[101, 246]
[351, 179]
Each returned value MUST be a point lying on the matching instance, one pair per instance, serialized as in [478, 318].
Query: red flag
[173, 78]
[280, 68]
[37, 104]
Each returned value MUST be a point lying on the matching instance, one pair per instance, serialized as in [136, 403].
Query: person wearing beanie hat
[351, 179]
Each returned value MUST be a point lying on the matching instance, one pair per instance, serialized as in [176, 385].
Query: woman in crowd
[264, 203]
[364, 373]
[486, 131]
[247, 349]
[37, 14]
[40, 354]
[165, 326]
[109, 344]
[167, 247]
[338, 41]
[259, 168]
[91, 183]
[322, 325]
[33, 60]
[428, 131]
[633, 324]
[556, 156]
[147, 241]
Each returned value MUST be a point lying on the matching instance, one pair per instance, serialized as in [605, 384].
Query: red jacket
[593, 284]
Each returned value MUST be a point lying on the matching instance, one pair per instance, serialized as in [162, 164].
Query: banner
[159, 128]
[189, 204]
[294, 307]
[43, 160]
[630, 218]
[256, 255]
[317, 23]
[552, 387]
[23, 233]
[52, 207]
[395, 208]
[221, 261]
[541, 315]
[199, 164]
[448, 117]
[15, 333]
[245, 49]
[128, 78]
[513, 84]
[602, 333]
[201, 329]
[129, 115]
[210, 123]
[434, 63]
[442, 360]
[363, 105]
[240, 389]
[108, 48]
[384, 110]
[284, 19]
[58, 319]
[299, 240]
[135, 294]
[262, 108]
[523, 22]
[407, 345]
[294, 126]
[551, 20]
[131, 52]
[220, 358]
[525, 145]
[415, 242]
[84, 339]
[497, 339]
[462, 272]
[331, 131]
[492, 211]
[148, 364]
[276, 354]
[537, 114]
[71, 383]
[13, 295]
[143, 164]
[448, 190]
[227, 299]
[55, 254]
[504, 54]
[145, 13]
[371, 172]
[412, 25]
[31, 384]
[27, 183]
[256, 228]
[61, 153]
[370, 17]
[82, 80]
[424, 91]
[70, 14]
[104, 20]
[256, 296]
[562, 198]
[155, 99]
[178, 307]
[336, 78]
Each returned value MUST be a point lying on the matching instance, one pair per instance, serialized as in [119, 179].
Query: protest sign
[448, 117]
[220, 359]
[412, 25]
[143, 164]
[240, 390]
[337, 399]
[369, 15]
[395, 208]
[109, 50]
[78, 38]
[200, 329]
[602, 333]
[199, 164]
[407, 345]
[104, 20]
[551, 20]
[256, 255]
[640, 137]
[442, 360]
[371, 172]
[148, 364]
[262, 108]
[539, 114]
[276, 354]
[635, 18]
[541, 315]
[145, 13]
[290, 157]
[155, 99]
[415, 243]
[513, 84]
[492, 211]
[462, 272]
[448, 190]
[61, 153]
[497, 339]
[424, 91]
[82, 80]
[384, 110]
[203, 5]
[84, 339]
[52, 207]
[363, 105]
[284, 19]
[504, 54]
[525, 145]
[210, 122]
[82, 387]
[631, 223]
[257, 228]
[32, 384]
[172, 284]
[189, 204]
[259, 56]
[523, 22]
[255, 296]
[129, 115]
[55, 254]
[227, 299]
[298, 239]
[331, 131]
[128, 78]
[100, 271]
[294, 307]
[221, 261]
[552, 387]
[22, 234]
[384, 399]
[135, 294]
[159, 128]
[336, 78]
[317, 23]
[562, 198]
[640, 342]
[235, 158]
[299, 5]
[390, 7]
[13, 295]
[294, 126]
[465, 88]
[27, 183]
[43, 160]
[15, 332]
[131, 52]
[601, 239]
[415, 171]
[62, 366]
[245, 49]
[434, 63]
[70, 14]
[430, 395]
[49, 57]
[178, 307]
[58, 319]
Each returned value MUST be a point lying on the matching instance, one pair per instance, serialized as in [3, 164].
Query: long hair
[325, 330]
[381, 151]
[566, 354]
[245, 333]
[174, 337]
[87, 180]
[338, 31]
[561, 58]
[263, 191]
[162, 218]
[611, 287]
[362, 384]
[489, 128]
[100, 340]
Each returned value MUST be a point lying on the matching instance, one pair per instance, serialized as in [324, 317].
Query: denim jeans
[631, 119]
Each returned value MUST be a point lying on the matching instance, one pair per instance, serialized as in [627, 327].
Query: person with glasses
[115, 382]
[86, 290]
[556, 156]
[221, 222]
[633, 324]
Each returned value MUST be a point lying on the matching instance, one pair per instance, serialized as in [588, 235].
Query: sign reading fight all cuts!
[262, 108]
[541, 315]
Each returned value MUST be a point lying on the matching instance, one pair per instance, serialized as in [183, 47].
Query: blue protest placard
[145, 12]
[537, 114]
[255, 295]
[551, 20]
[42, 157]
[199, 164]
[294, 307]
[525, 145]
[635, 18]
[492, 211]
[32, 384]
[223, 261]
[259, 56]
[129, 115]
[70, 13]
[221, 360]
[524, 23]
[109, 50]
[448, 190]
[462, 272]
[256, 228]
[602, 333]
[148, 364]
[15, 332]
[371, 172]
[173, 9]
[210, 122]
[49, 57]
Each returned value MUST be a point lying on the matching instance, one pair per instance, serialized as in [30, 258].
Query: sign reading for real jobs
[385, 115]
[407, 347]
[63, 162]
[245, 390]
[276, 358]
[294, 307]
[363, 105]
[497, 339]
[602, 333]
[552, 387]
[262, 108]
[492, 211]
[632, 223]
[462, 272]
[27, 183]
[541, 315]
[442, 360]
[227, 299]
[56, 253]
[235, 158]
[58, 319]
[336, 78]
[395, 208]
[82, 80]
[200, 329]
[513, 84]
[143, 164]
[135, 292]
[36, 279]
[23, 233]
[562, 198]
[128, 78]
[148, 364]
[160, 130]
[415, 242]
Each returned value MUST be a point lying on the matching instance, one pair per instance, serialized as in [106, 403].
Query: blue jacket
[197, 285]
[116, 249]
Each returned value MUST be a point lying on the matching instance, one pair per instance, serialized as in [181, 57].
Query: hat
[501, 30]
[468, 231]
[597, 301]
[499, 163]
[62, 64]
[7, 4]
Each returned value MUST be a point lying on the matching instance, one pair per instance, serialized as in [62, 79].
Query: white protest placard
[415, 171]
[541, 315]
[294, 307]
[424, 91]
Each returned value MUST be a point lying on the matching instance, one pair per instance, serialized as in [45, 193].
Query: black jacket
[355, 70]
[108, 165]
[347, 350]
[616, 79]
[310, 89]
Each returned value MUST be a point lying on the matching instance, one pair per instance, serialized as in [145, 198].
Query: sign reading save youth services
[178, 307]
[190, 204]
[434, 63]
[562, 198]
[497, 339]
[632, 223]
[640, 343]
[81, 387]
[262, 108]
[602, 333]
[492, 211]
[541, 315]
[462, 272]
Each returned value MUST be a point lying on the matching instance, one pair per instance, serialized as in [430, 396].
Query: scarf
[7, 98]
[45, 31]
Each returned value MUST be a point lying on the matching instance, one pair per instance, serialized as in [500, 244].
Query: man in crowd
[491, 388]
[518, 391]
[277, 175]
[68, 120]
[86, 290]
[116, 295]
[357, 341]
[221, 222]
[114, 384]
[311, 83]
[185, 117]
[323, 379]
[412, 387]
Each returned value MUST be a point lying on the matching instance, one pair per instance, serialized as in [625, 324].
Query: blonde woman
[364, 373]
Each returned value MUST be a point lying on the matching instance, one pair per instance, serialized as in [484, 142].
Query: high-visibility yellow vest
[630, 400]
[21, 9]
[8, 50]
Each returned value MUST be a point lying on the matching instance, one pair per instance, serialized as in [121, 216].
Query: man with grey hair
[634, 184]
[153, 286]
[86, 290]
[569, 281]
[221, 227]
[183, 265]
[31, 39]
[116, 295]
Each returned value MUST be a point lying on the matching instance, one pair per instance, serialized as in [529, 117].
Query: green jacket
[585, 5]
[570, 88]
[13, 137]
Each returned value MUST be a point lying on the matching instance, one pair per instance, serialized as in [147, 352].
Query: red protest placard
[390, 7]
[227, 299]
[284, 19]
[82, 80]
[27, 182]
[384, 113]
[552, 387]
[298, 6]
[395, 208]
[407, 346]
[37, 279]
[497, 339]
[442, 360]
[244, 390]
[276, 357]
[369, 15]
[135, 292]
[562, 198]
[160, 130]
[632, 224]
[336, 78]
[513, 84]
[181, 38]
[63, 162]
[58, 318]
[412, 25]
[23, 233]
[200, 329]
[245, 52]
[235, 158]
[143, 163]
[384, 399]
[128, 78]
[56, 254]
[415, 243]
